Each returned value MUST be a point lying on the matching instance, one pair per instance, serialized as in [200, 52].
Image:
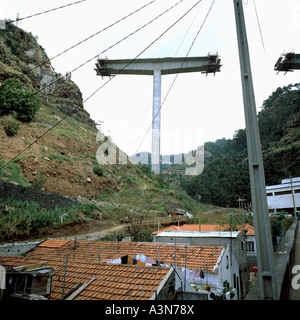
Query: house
[247, 230]
[179, 214]
[26, 279]
[89, 281]
[91, 270]
[192, 261]
[285, 196]
[233, 241]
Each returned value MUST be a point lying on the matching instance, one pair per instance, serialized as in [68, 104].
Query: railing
[284, 257]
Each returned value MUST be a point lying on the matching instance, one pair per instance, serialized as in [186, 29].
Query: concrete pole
[265, 255]
[293, 197]
[155, 157]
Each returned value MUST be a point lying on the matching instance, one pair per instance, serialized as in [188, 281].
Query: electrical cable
[47, 11]
[160, 36]
[58, 122]
[110, 47]
[150, 102]
[139, 55]
[261, 36]
[263, 44]
[192, 22]
[93, 35]
[89, 60]
[172, 84]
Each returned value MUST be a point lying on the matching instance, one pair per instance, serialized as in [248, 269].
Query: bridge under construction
[156, 68]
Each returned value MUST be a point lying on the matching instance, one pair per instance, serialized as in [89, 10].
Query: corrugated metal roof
[197, 234]
[207, 228]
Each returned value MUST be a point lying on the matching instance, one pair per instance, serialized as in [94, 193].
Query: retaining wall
[45, 199]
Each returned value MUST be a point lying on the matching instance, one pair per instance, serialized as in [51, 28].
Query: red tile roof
[111, 281]
[53, 243]
[172, 227]
[103, 251]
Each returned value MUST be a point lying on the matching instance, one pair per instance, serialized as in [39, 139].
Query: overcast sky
[199, 108]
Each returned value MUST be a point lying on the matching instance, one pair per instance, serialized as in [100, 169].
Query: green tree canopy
[17, 100]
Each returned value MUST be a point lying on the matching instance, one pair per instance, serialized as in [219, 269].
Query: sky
[198, 108]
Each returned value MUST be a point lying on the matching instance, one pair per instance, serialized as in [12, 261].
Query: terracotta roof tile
[53, 243]
[112, 280]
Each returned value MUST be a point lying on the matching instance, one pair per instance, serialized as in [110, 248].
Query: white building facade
[231, 269]
[284, 197]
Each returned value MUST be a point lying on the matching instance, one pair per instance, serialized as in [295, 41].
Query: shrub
[18, 101]
[39, 181]
[160, 181]
[11, 128]
[98, 169]
[146, 169]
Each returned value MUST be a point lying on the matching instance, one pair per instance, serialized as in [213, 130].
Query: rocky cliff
[22, 57]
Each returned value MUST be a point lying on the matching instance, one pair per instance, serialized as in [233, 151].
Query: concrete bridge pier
[156, 115]
[156, 68]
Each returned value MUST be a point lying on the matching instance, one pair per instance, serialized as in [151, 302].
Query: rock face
[22, 57]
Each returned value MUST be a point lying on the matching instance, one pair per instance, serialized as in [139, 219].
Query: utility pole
[293, 197]
[265, 255]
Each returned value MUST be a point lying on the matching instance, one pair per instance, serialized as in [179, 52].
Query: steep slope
[62, 159]
[226, 174]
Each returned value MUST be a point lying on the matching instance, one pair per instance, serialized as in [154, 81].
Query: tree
[238, 145]
[135, 224]
[223, 181]
[18, 101]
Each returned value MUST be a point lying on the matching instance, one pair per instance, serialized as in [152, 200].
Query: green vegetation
[98, 169]
[19, 220]
[11, 128]
[12, 173]
[39, 181]
[18, 101]
[226, 174]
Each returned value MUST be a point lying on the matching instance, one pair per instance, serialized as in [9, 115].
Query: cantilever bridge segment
[288, 62]
[158, 67]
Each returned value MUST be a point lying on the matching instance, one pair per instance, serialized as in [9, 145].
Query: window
[280, 193]
[250, 246]
[23, 283]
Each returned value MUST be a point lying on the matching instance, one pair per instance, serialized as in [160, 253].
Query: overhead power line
[176, 76]
[47, 11]
[72, 111]
[96, 33]
[155, 40]
[160, 36]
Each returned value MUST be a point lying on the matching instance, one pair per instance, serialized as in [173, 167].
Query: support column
[155, 158]
[157, 67]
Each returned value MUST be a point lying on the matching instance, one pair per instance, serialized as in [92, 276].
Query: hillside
[225, 178]
[62, 159]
